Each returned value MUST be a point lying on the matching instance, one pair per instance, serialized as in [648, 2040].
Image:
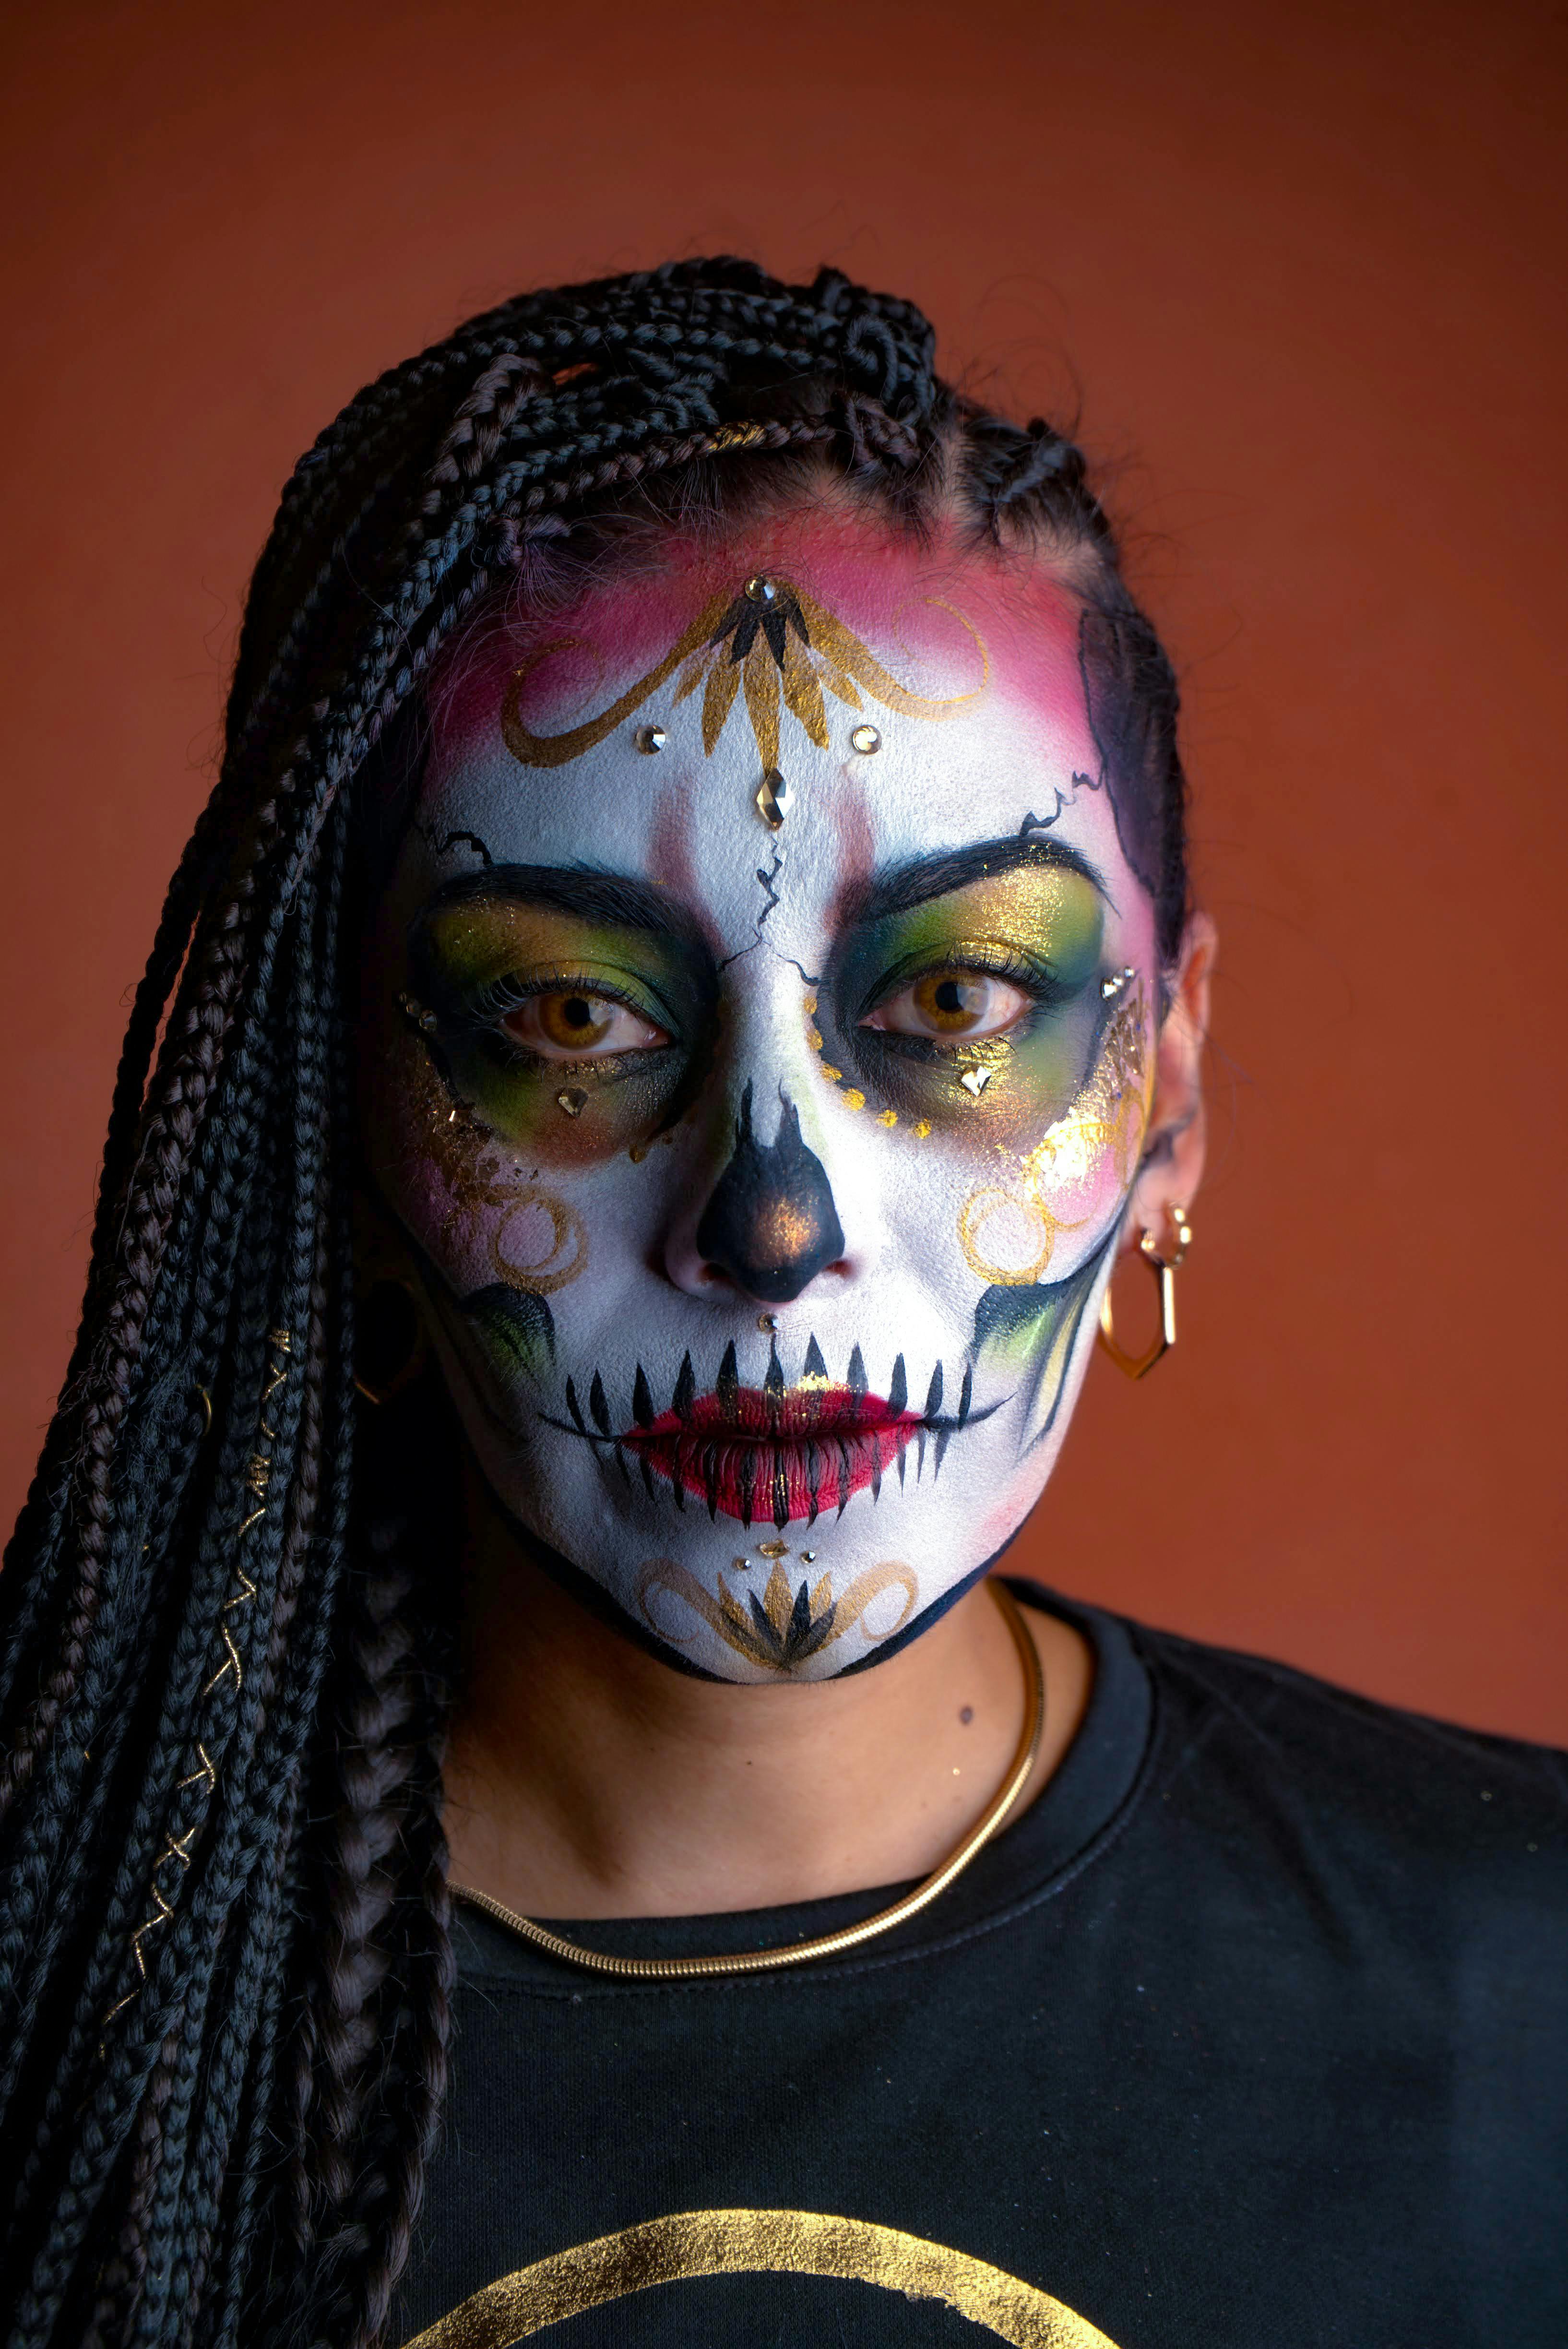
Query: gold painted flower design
[772, 645]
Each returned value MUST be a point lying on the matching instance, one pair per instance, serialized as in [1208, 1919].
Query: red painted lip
[780, 1456]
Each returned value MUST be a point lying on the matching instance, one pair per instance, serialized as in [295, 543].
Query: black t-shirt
[1251, 2030]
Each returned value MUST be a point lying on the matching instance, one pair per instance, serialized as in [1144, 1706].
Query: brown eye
[573, 1025]
[963, 1005]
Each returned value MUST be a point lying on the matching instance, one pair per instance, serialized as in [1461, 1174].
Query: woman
[684, 987]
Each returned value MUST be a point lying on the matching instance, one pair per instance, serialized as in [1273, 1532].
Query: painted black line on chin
[593, 1596]
[608, 1611]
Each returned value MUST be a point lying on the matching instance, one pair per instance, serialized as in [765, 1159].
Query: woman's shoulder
[1242, 1744]
[1435, 1819]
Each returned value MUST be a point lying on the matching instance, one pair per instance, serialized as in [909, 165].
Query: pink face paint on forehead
[917, 608]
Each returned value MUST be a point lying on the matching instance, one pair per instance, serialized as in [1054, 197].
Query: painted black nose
[771, 1224]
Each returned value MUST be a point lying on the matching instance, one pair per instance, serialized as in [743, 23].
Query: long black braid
[228, 1616]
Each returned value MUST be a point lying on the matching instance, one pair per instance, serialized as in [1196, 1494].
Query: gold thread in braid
[827, 1945]
[258, 1470]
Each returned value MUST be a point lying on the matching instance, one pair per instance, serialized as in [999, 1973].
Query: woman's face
[760, 1042]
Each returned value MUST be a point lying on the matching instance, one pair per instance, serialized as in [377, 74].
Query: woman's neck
[588, 1779]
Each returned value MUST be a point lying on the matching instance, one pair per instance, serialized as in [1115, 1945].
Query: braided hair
[227, 1616]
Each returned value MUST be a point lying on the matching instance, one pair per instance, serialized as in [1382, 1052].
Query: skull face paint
[764, 1150]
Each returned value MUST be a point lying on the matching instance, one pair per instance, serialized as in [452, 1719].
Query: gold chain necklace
[829, 1945]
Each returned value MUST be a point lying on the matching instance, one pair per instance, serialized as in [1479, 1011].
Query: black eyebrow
[591, 892]
[947, 869]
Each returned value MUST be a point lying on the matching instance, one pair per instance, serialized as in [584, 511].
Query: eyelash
[483, 1014]
[1034, 979]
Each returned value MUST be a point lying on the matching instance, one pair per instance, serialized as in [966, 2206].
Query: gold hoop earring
[391, 1342]
[1164, 1268]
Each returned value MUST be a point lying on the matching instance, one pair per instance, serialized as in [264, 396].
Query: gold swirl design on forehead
[692, 2243]
[777, 653]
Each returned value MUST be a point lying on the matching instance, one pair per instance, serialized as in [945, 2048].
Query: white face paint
[765, 1173]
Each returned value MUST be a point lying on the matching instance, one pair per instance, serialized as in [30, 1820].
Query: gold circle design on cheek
[568, 1241]
[865, 739]
[1099, 1139]
[976, 1212]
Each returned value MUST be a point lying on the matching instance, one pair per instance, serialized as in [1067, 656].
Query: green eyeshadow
[473, 959]
[1041, 928]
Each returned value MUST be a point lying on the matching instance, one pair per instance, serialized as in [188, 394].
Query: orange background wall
[1301, 269]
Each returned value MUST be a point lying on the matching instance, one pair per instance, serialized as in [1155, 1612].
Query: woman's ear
[1174, 1143]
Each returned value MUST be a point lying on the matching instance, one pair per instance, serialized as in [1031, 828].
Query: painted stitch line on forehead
[1064, 800]
[773, 640]
[452, 839]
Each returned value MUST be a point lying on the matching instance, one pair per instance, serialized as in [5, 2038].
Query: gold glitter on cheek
[539, 1243]
[1076, 1175]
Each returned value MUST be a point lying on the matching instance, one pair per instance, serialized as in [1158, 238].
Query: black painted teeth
[765, 1479]
[642, 1401]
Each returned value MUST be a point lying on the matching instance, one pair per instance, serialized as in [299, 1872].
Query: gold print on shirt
[777, 2243]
